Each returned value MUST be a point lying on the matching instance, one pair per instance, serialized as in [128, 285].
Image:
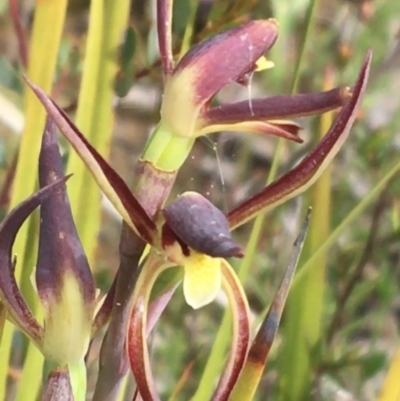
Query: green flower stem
[175, 153]
[166, 150]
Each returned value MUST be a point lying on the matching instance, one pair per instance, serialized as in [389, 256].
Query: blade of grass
[218, 351]
[41, 70]
[95, 116]
[302, 323]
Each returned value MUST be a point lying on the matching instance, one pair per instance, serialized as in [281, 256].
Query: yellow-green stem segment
[166, 150]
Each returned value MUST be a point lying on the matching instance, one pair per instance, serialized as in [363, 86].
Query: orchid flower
[190, 232]
[181, 235]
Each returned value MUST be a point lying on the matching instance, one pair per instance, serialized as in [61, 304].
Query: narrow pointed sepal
[64, 281]
[10, 295]
[312, 166]
[107, 178]
[210, 66]
[277, 107]
[201, 226]
[249, 378]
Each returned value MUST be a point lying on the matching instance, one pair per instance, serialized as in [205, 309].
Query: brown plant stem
[152, 187]
[20, 32]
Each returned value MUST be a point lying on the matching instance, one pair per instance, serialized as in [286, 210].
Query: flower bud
[63, 278]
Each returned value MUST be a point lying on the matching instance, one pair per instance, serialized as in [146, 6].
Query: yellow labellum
[202, 279]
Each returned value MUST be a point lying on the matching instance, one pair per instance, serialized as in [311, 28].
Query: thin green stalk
[217, 355]
[166, 150]
[95, 115]
[41, 71]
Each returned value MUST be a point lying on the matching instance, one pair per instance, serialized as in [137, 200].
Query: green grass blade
[95, 115]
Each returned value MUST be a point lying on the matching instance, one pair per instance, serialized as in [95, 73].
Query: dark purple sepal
[9, 291]
[59, 246]
[201, 226]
